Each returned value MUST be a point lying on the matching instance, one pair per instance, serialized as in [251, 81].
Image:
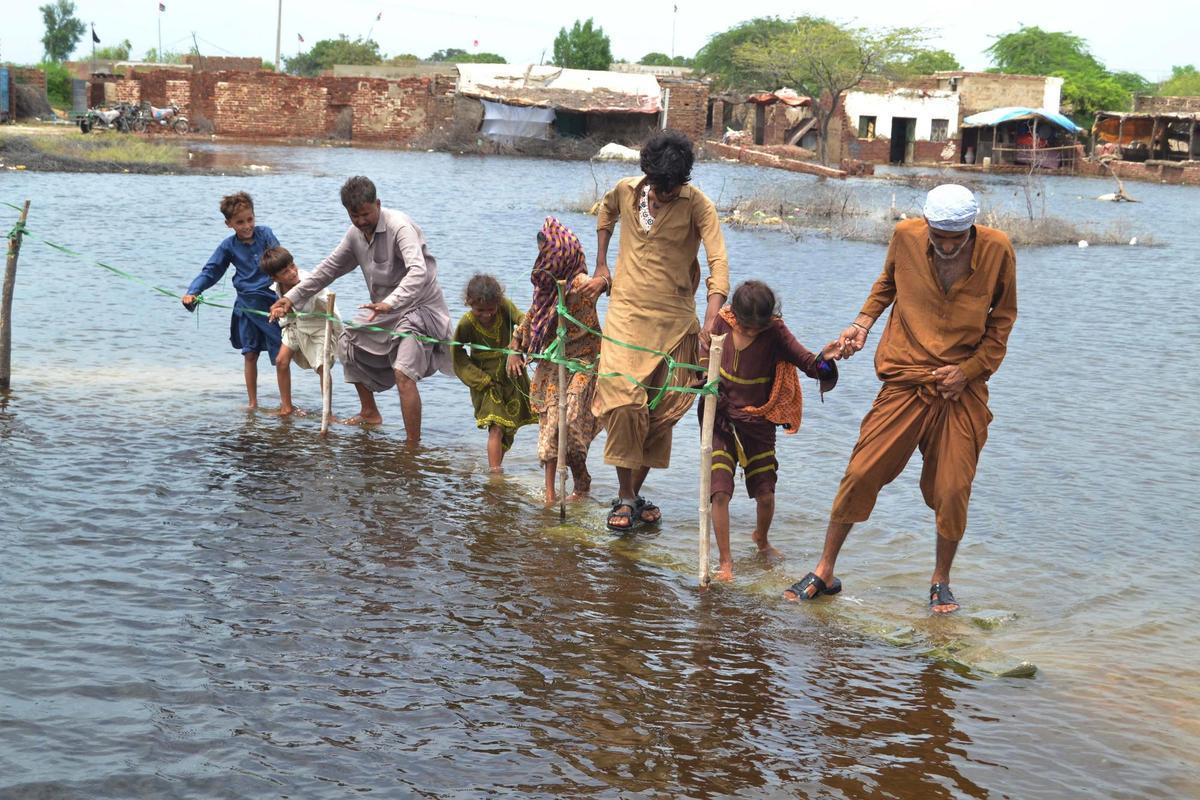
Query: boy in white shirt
[303, 335]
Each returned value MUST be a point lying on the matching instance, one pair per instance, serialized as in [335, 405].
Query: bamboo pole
[326, 370]
[715, 349]
[6, 301]
[562, 408]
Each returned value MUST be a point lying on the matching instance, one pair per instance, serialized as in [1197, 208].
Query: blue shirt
[248, 279]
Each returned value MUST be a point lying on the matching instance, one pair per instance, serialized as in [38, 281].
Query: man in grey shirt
[406, 298]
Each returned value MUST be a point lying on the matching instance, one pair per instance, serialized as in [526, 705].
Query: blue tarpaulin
[1011, 113]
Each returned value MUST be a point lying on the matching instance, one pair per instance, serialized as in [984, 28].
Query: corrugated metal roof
[578, 90]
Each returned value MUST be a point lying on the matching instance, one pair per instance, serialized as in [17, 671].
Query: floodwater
[208, 603]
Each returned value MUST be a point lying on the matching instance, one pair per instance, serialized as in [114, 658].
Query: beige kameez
[653, 305]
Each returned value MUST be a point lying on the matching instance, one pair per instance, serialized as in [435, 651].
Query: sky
[1119, 35]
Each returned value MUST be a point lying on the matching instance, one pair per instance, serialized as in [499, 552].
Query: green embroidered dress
[498, 398]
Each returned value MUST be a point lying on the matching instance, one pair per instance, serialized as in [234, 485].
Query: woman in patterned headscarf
[560, 258]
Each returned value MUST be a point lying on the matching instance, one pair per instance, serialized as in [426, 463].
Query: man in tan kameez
[663, 223]
[952, 286]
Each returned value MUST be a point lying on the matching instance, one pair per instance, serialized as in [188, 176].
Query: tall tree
[583, 47]
[63, 29]
[716, 58]
[927, 62]
[1088, 86]
[824, 60]
[458, 56]
[657, 59]
[327, 52]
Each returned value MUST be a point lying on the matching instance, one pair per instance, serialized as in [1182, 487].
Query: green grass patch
[113, 149]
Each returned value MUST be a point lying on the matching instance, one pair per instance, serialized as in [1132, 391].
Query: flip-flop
[940, 595]
[632, 505]
[800, 587]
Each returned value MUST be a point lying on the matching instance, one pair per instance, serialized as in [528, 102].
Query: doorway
[903, 129]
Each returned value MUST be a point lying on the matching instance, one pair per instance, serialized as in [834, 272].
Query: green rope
[555, 353]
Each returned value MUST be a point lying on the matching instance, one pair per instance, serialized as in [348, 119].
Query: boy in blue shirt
[251, 333]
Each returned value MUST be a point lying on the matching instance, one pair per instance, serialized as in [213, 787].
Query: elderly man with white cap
[952, 286]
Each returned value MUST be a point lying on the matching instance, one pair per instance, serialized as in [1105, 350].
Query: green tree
[1133, 83]
[1184, 82]
[927, 62]
[327, 52]
[716, 60]
[58, 83]
[657, 59]
[63, 29]
[1088, 86]
[824, 60]
[582, 47]
[116, 52]
[458, 56]
[166, 57]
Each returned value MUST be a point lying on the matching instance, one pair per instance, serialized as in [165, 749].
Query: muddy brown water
[201, 602]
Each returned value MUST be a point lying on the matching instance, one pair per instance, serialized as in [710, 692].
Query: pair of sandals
[635, 512]
[939, 593]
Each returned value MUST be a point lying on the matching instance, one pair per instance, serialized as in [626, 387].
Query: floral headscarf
[560, 258]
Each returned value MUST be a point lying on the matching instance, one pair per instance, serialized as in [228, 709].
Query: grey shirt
[399, 271]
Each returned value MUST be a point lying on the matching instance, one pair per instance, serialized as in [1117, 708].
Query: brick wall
[1151, 103]
[396, 111]
[223, 63]
[122, 91]
[688, 110]
[28, 76]
[266, 104]
[985, 92]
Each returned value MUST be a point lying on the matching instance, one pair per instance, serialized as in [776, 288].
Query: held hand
[593, 289]
[189, 302]
[853, 339]
[950, 381]
[376, 309]
[515, 365]
[832, 351]
[279, 308]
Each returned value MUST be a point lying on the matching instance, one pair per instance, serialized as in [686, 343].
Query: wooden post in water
[715, 349]
[326, 369]
[562, 408]
[6, 301]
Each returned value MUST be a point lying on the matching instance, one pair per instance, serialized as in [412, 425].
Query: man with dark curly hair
[664, 221]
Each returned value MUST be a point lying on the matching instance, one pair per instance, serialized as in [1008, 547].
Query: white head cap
[950, 208]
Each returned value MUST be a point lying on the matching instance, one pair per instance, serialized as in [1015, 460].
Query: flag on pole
[475, 43]
[301, 38]
[379, 16]
[95, 38]
[162, 7]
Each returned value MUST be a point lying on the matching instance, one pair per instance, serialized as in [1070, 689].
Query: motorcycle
[168, 117]
[106, 118]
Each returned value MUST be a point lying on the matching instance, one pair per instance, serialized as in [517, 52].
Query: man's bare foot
[551, 500]
[290, 411]
[252, 406]
[496, 470]
[724, 573]
[363, 419]
[765, 548]
[576, 496]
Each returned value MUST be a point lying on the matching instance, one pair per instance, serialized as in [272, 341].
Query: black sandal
[800, 587]
[643, 506]
[627, 515]
[940, 595]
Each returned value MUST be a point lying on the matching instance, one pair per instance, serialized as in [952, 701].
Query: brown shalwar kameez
[930, 328]
[654, 306]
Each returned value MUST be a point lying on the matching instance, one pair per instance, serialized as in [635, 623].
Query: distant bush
[58, 83]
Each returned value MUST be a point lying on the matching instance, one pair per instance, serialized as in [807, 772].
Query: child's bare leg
[495, 448]
[579, 476]
[551, 468]
[283, 375]
[765, 513]
[250, 371]
[368, 412]
[720, 520]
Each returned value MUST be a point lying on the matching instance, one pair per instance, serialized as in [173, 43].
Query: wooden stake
[715, 349]
[326, 370]
[6, 301]
[562, 410]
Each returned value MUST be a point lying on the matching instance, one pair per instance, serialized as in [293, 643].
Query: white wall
[922, 106]
[1052, 96]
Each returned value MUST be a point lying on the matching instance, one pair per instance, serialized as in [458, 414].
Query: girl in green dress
[501, 400]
